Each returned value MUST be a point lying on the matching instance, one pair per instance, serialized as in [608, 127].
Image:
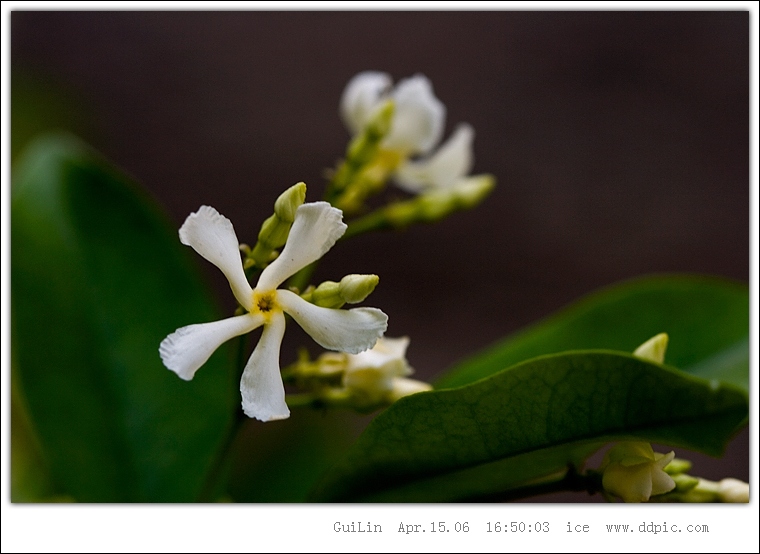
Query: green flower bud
[327, 295]
[275, 229]
[288, 202]
[685, 483]
[355, 288]
[676, 466]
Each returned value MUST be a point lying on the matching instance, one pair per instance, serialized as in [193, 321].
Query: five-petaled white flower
[315, 229]
[634, 472]
[417, 126]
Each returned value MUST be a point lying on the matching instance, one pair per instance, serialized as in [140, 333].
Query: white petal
[261, 384]
[213, 237]
[361, 97]
[451, 162]
[188, 348]
[388, 355]
[344, 330]
[315, 229]
[661, 482]
[418, 118]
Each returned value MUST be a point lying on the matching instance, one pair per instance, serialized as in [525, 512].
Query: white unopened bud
[733, 490]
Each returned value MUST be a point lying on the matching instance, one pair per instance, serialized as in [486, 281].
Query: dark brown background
[620, 141]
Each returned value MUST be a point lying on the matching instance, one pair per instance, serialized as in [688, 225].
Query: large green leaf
[99, 278]
[706, 318]
[529, 421]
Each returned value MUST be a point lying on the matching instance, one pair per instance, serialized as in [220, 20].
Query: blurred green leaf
[98, 279]
[707, 320]
[531, 419]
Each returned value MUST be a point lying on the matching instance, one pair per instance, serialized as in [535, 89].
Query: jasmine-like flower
[634, 472]
[379, 375]
[315, 229]
[417, 127]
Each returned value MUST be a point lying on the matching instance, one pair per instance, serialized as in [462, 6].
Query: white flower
[378, 376]
[315, 229]
[634, 472]
[417, 126]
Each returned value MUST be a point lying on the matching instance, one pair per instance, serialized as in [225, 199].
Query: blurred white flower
[634, 472]
[379, 376]
[417, 127]
[315, 229]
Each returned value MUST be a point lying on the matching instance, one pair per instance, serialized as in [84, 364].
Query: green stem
[371, 222]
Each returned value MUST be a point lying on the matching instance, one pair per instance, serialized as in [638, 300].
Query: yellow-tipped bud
[288, 202]
[653, 350]
[355, 288]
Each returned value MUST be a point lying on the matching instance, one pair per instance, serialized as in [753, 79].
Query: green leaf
[531, 419]
[707, 320]
[99, 278]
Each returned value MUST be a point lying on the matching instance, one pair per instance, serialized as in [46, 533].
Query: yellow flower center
[264, 302]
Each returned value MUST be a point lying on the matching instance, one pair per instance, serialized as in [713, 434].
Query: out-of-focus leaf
[533, 418]
[98, 279]
[707, 320]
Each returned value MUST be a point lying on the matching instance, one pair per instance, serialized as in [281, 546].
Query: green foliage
[99, 278]
[506, 421]
[707, 320]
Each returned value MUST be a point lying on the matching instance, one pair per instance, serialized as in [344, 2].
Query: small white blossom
[379, 375]
[634, 472]
[417, 127]
[315, 229]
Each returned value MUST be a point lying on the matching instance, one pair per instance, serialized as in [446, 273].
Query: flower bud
[685, 483]
[404, 387]
[676, 466]
[276, 228]
[733, 490]
[471, 191]
[288, 202]
[327, 295]
[653, 350]
[355, 288]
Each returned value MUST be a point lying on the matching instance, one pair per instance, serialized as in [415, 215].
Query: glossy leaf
[532, 418]
[707, 320]
[99, 278]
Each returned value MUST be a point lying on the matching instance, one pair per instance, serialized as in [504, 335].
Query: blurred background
[619, 140]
